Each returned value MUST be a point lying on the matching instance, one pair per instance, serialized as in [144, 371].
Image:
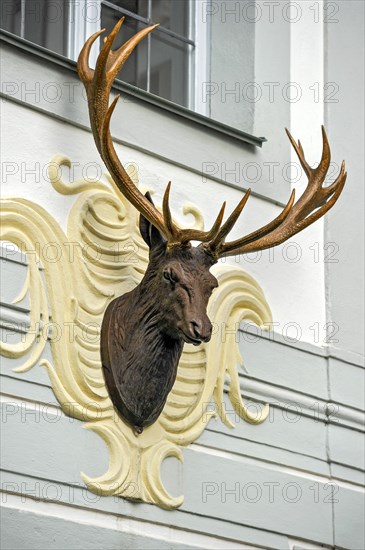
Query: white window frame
[81, 27]
[199, 71]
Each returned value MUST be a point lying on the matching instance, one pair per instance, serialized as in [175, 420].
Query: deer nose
[200, 330]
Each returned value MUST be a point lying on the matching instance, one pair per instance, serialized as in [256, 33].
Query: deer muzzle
[200, 330]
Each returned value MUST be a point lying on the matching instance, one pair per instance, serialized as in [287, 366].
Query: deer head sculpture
[143, 331]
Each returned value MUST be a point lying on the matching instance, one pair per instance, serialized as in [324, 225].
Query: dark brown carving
[144, 331]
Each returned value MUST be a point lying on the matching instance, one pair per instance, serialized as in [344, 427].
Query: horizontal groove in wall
[151, 531]
[326, 352]
[144, 512]
[307, 404]
[55, 410]
[310, 406]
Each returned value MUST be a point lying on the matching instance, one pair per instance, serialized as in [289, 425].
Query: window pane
[172, 15]
[169, 68]
[44, 23]
[140, 7]
[135, 70]
[11, 16]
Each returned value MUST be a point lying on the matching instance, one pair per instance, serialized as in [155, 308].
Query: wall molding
[327, 352]
[182, 519]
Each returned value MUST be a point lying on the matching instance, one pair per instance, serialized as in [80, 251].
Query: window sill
[147, 123]
[137, 93]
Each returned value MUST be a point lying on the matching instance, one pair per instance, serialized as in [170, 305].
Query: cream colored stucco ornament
[108, 259]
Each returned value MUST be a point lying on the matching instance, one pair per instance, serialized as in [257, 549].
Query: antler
[98, 84]
[313, 204]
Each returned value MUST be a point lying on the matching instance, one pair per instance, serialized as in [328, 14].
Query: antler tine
[312, 205]
[184, 236]
[229, 223]
[300, 153]
[103, 60]
[177, 236]
[265, 230]
[324, 206]
[173, 233]
[325, 161]
[85, 72]
[218, 222]
[314, 192]
[115, 60]
[331, 188]
[203, 236]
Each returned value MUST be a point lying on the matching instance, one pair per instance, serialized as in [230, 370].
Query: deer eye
[170, 275]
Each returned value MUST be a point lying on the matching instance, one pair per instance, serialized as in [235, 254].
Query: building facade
[206, 105]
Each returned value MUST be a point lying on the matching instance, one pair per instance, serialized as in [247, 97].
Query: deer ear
[151, 236]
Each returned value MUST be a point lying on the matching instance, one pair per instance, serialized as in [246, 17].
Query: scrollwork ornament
[109, 259]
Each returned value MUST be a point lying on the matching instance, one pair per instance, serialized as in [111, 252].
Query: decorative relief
[101, 257]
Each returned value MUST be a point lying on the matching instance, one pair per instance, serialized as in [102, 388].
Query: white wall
[345, 224]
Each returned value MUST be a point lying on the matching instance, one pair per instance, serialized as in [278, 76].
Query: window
[40, 21]
[202, 56]
[163, 62]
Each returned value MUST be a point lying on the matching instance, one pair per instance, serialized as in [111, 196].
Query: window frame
[201, 58]
[189, 41]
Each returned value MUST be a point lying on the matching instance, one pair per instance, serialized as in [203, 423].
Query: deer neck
[148, 329]
[147, 357]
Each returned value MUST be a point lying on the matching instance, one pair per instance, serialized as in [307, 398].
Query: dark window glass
[160, 64]
[39, 21]
[135, 70]
[169, 68]
[138, 7]
[173, 15]
[10, 13]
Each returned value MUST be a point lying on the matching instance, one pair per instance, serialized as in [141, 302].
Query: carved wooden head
[179, 282]
[143, 331]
